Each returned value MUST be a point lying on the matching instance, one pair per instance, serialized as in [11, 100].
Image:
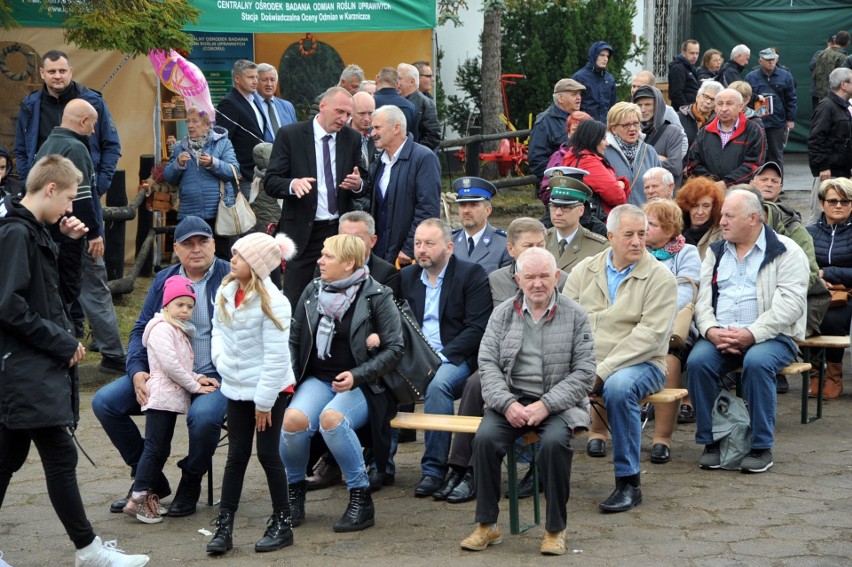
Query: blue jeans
[446, 387]
[312, 397]
[622, 392]
[760, 365]
[115, 403]
[159, 431]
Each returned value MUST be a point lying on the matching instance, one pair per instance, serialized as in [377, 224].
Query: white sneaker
[3, 563]
[100, 554]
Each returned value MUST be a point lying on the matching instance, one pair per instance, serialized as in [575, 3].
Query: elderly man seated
[631, 298]
[537, 365]
[751, 309]
[659, 184]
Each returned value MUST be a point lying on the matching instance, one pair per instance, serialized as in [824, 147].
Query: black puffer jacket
[37, 388]
[833, 250]
[830, 139]
[374, 312]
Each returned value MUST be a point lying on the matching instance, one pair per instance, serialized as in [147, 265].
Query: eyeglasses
[708, 98]
[629, 125]
[565, 207]
[835, 202]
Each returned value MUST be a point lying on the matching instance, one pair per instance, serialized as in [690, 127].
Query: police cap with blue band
[473, 189]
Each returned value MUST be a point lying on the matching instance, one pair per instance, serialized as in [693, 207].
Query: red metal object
[511, 153]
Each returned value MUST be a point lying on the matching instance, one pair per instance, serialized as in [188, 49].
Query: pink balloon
[183, 77]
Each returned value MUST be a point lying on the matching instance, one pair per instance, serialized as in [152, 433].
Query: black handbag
[407, 382]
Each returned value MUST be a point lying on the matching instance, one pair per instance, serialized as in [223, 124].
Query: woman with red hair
[701, 202]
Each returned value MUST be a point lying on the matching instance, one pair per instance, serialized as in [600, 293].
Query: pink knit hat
[264, 253]
[177, 286]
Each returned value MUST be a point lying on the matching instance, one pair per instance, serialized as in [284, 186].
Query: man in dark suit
[277, 111]
[316, 168]
[452, 302]
[362, 225]
[405, 186]
[240, 114]
[428, 127]
[363, 106]
[386, 94]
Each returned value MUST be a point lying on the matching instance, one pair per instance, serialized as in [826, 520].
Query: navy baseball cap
[192, 226]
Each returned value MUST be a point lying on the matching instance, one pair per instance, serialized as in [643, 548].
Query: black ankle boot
[223, 539]
[186, 498]
[296, 492]
[359, 514]
[277, 535]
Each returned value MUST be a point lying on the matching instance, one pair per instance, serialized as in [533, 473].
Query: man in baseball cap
[548, 131]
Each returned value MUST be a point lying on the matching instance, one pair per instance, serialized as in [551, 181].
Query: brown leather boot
[833, 386]
[814, 385]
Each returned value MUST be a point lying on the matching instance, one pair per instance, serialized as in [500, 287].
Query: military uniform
[490, 252]
[584, 244]
[567, 189]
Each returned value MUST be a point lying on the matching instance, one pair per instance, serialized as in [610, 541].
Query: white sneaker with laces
[106, 554]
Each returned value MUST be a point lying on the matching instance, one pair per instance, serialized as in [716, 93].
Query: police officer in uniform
[568, 240]
[478, 241]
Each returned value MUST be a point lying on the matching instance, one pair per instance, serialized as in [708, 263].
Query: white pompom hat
[264, 253]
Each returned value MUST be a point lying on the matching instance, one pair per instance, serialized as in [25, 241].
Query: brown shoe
[483, 536]
[324, 475]
[132, 506]
[553, 543]
[813, 386]
[147, 508]
[833, 386]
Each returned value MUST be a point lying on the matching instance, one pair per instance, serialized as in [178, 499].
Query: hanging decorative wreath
[7, 72]
[313, 43]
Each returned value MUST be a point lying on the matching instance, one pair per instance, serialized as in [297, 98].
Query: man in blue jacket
[405, 186]
[548, 131]
[42, 110]
[773, 81]
[115, 403]
[600, 85]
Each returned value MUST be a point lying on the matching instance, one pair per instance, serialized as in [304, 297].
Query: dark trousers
[241, 430]
[775, 138]
[300, 270]
[836, 322]
[461, 452]
[494, 437]
[59, 460]
[159, 430]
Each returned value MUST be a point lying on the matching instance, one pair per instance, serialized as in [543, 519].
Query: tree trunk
[492, 102]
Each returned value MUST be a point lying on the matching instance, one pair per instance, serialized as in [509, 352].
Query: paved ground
[796, 514]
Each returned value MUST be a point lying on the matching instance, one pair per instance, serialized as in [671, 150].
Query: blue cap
[473, 189]
[192, 226]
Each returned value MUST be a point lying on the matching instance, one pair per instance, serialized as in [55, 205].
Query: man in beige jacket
[631, 299]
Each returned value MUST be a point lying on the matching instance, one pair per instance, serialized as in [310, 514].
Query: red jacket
[737, 162]
[601, 178]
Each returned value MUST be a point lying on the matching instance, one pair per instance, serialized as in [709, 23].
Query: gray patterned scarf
[334, 299]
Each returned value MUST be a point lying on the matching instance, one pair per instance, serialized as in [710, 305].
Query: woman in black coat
[832, 236]
[345, 335]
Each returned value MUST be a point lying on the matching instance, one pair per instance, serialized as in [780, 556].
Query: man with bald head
[750, 310]
[79, 121]
[730, 148]
[363, 105]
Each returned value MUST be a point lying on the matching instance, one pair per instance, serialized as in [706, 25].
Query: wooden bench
[813, 352]
[793, 369]
[469, 424]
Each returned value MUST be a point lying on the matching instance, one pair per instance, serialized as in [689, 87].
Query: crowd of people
[556, 326]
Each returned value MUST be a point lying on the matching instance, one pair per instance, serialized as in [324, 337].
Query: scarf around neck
[669, 250]
[196, 145]
[333, 300]
[628, 149]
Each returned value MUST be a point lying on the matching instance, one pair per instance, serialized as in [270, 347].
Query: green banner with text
[264, 16]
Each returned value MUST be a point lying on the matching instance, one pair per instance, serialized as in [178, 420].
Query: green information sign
[262, 16]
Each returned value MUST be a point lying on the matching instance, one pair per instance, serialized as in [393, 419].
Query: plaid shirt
[726, 135]
[737, 281]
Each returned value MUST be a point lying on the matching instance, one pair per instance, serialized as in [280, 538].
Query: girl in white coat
[251, 330]
[167, 339]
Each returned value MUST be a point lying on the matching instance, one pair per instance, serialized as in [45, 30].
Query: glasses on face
[835, 202]
[629, 125]
[564, 208]
[708, 98]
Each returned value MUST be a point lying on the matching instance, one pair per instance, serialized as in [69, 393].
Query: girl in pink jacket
[172, 381]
